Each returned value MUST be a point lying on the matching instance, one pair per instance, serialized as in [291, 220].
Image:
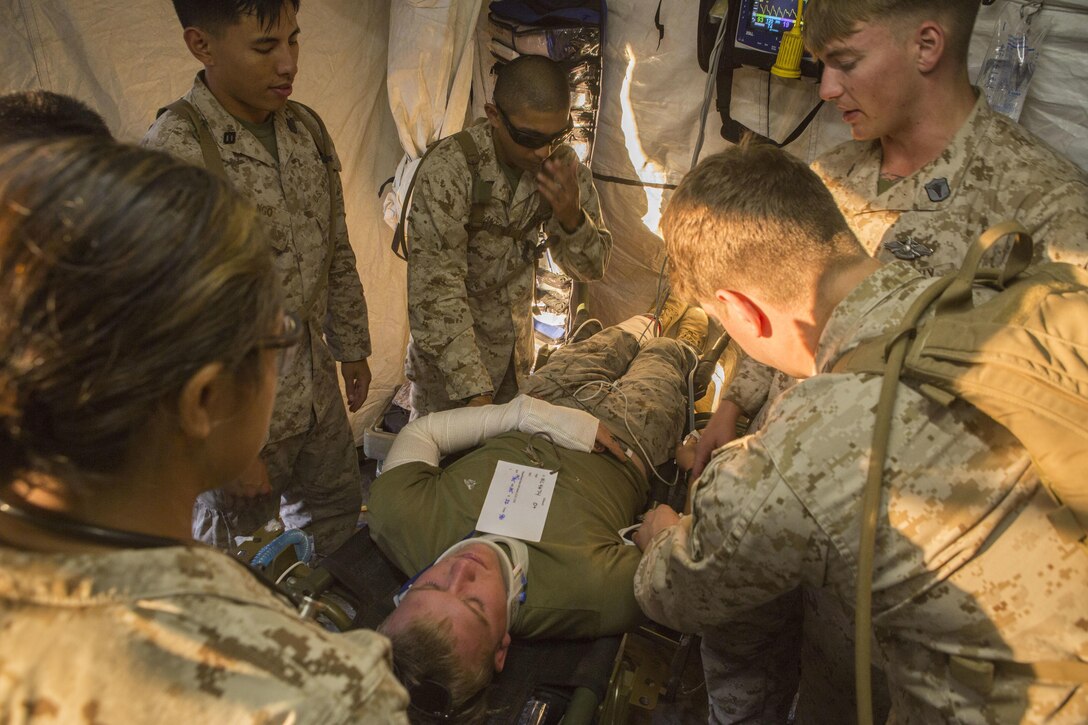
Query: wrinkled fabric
[993, 170]
[464, 345]
[179, 634]
[967, 563]
[292, 200]
[580, 572]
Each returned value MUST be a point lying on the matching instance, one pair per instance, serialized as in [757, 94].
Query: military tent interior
[391, 77]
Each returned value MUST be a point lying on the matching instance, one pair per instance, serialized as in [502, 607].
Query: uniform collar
[853, 320]
[935, 185]
[231, 137]
[490, 170]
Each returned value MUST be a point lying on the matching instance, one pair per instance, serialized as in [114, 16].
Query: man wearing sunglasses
[473, 234]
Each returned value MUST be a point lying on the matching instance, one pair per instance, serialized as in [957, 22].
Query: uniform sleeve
[347, 327]
[750, 385]
[583, 254]
[745, 543]
[438, 310]
[1059, 223]
[176, 136]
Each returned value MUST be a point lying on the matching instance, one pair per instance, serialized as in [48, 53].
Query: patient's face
[468, 590]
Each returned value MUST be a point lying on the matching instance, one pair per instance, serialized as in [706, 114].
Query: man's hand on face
[558, 182]
[655, 520]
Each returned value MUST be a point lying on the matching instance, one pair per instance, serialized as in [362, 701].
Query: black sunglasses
[532, 139]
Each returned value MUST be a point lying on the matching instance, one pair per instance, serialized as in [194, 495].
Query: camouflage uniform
[311, 457]
[579, 574]
[969, 572]
[463, 345]
[993, 170]
[178, 634]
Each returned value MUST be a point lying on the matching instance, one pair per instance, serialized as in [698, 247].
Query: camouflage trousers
[315, 479]
[639, 393]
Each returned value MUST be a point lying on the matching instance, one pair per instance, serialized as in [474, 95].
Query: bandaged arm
[433, 436]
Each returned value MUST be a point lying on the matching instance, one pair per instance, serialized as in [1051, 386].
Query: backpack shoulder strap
[213, 162]
[320, 134]
[323, 141]
[481, 190]
[480, 193]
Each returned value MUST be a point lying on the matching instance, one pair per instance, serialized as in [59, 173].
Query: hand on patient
[481, 399]
[605, 441]
[720, 429]
[558, 183]
[657, 519]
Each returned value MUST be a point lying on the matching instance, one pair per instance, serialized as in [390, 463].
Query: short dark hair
[532, 81]
[214, 15]
[45, 115]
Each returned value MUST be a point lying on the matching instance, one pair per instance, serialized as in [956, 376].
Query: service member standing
[479, 200]
[278, 155]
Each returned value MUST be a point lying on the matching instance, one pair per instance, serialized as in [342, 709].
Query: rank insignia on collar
[291, 125]
[229, 136]
[907, 249]
[938, 189]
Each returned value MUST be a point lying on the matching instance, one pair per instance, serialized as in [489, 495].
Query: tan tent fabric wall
[127, 59]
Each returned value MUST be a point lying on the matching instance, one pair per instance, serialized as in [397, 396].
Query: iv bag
[1010, 61]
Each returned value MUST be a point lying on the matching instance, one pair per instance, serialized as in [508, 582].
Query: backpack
[1021, 358]
[480, 194]
[213, 162]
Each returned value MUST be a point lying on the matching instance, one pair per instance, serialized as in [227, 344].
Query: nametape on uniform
[517, 502]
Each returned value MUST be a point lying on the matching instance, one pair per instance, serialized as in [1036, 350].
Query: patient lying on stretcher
[598, 414]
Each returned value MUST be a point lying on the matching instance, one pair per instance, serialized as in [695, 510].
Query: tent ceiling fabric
[126, 59]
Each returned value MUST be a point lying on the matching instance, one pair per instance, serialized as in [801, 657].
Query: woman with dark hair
[140, 327]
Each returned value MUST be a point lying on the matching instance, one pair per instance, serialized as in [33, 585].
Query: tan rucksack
[1021, 358]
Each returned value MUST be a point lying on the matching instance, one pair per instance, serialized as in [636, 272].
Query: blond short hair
[753, 218]
[829, 20]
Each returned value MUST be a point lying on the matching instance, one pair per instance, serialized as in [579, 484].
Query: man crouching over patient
[597, 415]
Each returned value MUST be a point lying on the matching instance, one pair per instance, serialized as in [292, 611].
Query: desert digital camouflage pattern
[969, 574]
[179, 634]
[292, 200]
[648, 400]
[462, 345]
[993, 170]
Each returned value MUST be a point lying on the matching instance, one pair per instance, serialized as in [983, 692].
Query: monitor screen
[762, 23]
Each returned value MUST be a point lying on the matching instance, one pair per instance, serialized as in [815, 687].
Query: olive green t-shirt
[265, 133]
[580, 578]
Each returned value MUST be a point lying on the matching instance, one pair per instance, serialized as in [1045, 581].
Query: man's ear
[492, 115]
[198, 41]
[500, 653]
[745, 311]
[199, 400]
[930, 41]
